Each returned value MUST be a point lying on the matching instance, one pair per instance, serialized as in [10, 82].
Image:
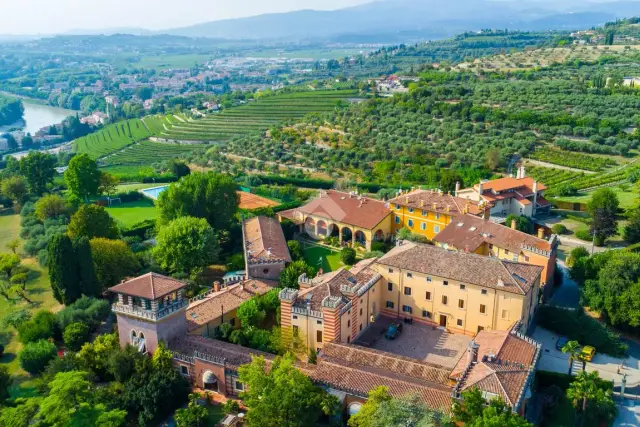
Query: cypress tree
[63, 270]
[89, 285]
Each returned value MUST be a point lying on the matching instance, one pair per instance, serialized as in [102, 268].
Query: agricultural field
[112, 138]
[572, 159]
[146, 152]
[254, 117]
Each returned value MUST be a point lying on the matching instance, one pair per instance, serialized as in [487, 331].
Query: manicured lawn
[125, 188]
[319, 256]
[628, 198]
[38, 290]
[132, 213]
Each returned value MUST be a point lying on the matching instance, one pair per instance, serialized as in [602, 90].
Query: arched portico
[321, 229]
[347, 235]
[378, 236]
[209, 381]
[361, 238]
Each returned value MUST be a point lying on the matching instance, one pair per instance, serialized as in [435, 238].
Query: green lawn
[319, 256]
[38, 290]
[129, 214]
[628, 198]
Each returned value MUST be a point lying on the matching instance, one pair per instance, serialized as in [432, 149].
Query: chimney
[513, 224]
[500, 282]
[535, 196]
[216, 286]
[268, 251]
[480, 189]
[541, 233]
[457, 188]
[435, 206]
[472, 352]
[406, 200]
[422, 203]
[523, 174]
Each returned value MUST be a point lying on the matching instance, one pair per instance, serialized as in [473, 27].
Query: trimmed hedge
[140, 229]
[576, 325]
[546, 379]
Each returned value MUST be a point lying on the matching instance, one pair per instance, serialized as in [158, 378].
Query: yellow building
[427, 212]
[461, 292]
[348, 216]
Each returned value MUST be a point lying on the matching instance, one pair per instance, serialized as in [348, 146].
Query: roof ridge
[153, 290]
[504, 265]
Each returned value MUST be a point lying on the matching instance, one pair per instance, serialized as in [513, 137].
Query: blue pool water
[154, 192]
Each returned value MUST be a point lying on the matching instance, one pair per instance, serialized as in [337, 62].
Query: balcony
[149, 314]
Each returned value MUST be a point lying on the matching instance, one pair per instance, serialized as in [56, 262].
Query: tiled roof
[469, 232]
[511, 183]
[264, 241]
[346, 208]
[401, 365]
[463, 267]
[505, 381]
[150, 286]
[434, 201]
[330, 284]
[233, 355]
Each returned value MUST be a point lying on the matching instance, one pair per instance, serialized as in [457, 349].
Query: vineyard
[112, 138]
[572, 159]
[256, 116]
[553, 178]
[146, 152]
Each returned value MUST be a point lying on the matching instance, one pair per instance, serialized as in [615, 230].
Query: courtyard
[418, 341]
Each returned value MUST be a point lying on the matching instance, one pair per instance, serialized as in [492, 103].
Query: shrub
[575, 325]
[90, 311]
[577, 253]
[348, 256]
[294, 250]
[378, 246]
[372, 254]
[35, 356]
[230, 407]
[75, 334]
[558, 229]
[41, 327]
[584, 234]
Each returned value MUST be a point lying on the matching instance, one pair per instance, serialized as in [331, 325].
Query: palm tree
[573, 348]
[583, 389]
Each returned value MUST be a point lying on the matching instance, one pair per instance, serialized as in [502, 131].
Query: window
[397, 220]
[318, 336]
[459, 322]
[445, 282]
[265, 271]
[423, 226]
[296, 331]
[426, 314]
[360, 311]
[424, 213]
[389, 286]
[490, 245]
[238, 386]
[484, 292]
[407, 290]
[515, 258]
[428, 279]
[232, 321]
[410, 223]
[407, 309]
[505, 314]
[427, 296]
[460, 303]
[391, 270]
[318, 322]
[184, 370]
[462, 287]
[410, 210]
[445, 300]
[506, 251]
[483, 309]
[437, 216]
[295, 317]
[436, 228]
[348, 323]
[125, 299]
[409, 275]
[397, 206]
[480, 328]
[360, 326]
[526, 258]
[389, 304]
[348, 339]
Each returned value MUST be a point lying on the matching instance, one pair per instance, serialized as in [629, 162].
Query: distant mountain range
[406, 19]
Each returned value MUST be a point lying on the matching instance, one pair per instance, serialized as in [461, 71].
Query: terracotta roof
[434, 201]
[504, 381]
[264, 241]
[511, 183]
[329, 285]
[463, 267]
[542, 202]
[469, 232]
[233, 355]
[347, 208]
[150, 286]
[401, 365]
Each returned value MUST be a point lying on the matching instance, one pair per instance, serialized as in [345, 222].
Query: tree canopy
[82, 177]
[603, 208]
[92, 221]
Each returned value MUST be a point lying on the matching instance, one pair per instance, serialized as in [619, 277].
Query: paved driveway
[628, 413]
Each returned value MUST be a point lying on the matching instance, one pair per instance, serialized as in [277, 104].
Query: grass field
[628, 198]
[321, 257]
[253, 117]
[38, 290]
[129, 214]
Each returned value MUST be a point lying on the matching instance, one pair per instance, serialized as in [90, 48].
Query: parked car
[393, 331]
[562, 341]
[587, 353]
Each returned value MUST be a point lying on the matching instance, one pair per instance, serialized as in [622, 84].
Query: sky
[58, 16]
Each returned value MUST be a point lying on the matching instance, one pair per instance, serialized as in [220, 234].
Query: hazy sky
[54, 16]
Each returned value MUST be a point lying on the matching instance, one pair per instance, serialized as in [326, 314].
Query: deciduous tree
[82, 177]
[15, 188]
[50, 206]
[38, 169]
[603, 208]
[113, 261]
[92, 221]
[289, 276]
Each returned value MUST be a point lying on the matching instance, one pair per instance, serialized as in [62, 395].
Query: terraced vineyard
[112, 138]
[146, 152]
[552, 178]
[572, 159]
[257, 116]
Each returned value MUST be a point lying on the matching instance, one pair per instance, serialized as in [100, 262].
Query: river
[37, 116]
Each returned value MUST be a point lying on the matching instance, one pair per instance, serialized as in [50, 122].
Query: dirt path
[551, 165]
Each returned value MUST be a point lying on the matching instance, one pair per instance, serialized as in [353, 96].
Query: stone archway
[321, 229]
[310, 227]
[360, 238]
[209, 381]
[347, 235]
[333, 230]
[378, 236]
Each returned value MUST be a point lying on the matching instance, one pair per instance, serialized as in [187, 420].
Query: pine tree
[63, 270]
[89, 285]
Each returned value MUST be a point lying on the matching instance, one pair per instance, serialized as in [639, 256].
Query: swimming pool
[154, 192]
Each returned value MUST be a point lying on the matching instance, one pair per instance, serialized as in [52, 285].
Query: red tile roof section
[264, 241]
[434, 201]
[150, 286]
